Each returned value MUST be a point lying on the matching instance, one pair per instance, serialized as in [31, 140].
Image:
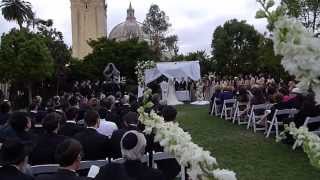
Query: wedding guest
[43, 153]
[106, 127]
[70, 127]
[68, 155]
[133, 146]
[18, 128]
[130, 123]
[183, 84]
[14, 161]
[95, 145]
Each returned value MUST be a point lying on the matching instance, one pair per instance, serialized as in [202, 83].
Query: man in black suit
[176, 84]
[70, 128]
[95, 146]
[183, 85]
[130, 121]
[14, 158]
[68, 156]
[133, 146]
[44, 151]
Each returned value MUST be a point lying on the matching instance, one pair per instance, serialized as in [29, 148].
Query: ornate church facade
[89, 22]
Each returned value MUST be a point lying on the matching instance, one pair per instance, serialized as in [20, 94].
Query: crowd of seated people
[72, 128]
[261, 90]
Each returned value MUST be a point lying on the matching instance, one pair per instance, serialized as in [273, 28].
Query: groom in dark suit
[183, 85]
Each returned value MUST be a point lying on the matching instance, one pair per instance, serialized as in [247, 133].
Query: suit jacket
[134, 170]
[69, 129]
[95, 146]
[183, 85]
[45, 149]
[62, 174]
[12, 173]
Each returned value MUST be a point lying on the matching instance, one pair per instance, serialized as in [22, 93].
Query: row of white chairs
[85, 165]
[230, 110]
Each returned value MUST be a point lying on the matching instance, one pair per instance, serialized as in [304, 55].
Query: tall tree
[307, 11]
[156, 25]
[58, 48]
[17, 10]
[24, 57]
[235, 47]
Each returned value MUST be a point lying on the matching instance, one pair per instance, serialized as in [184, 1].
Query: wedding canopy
[176, 70]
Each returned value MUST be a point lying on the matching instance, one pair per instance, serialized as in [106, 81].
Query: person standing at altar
[183, 85]
[176, 84]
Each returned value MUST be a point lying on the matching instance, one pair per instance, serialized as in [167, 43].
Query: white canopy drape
[176, 70]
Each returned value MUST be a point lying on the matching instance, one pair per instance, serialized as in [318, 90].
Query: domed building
[129, 29]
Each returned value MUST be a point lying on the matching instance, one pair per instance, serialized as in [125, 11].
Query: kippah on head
[129, 141]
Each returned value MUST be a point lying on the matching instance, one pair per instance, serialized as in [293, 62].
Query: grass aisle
[250, 155]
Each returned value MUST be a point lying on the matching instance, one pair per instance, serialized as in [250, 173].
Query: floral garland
[179, 144]
[141, 67]
[299, 48]
[308, 140]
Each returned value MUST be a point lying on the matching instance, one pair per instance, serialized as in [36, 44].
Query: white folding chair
[238, 112]
[275, 122]
[162, 156]
[254, 117]
[88, 164]
[228, 108]
[309, 120]
[215, 110]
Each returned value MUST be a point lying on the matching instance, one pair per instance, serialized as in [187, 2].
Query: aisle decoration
[309, 141]
[201, 165]
[299, 48]
[140, 69]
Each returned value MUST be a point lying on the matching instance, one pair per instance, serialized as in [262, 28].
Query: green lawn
[251, 156]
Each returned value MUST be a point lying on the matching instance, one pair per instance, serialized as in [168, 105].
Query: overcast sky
[192, 20]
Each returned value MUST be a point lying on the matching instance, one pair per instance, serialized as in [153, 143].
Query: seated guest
[14, 161]
[106, 127]
[70, 127]
[46, 145]
[130, 123]
[308, 109]
[169, 167]
[68, 155]
[4, 112]
[18, 127]
[107, 105]
[95, 145]
[125, 107]
[226, 94]
[133, 146]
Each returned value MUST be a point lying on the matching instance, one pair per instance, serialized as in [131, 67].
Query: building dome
[129, 29]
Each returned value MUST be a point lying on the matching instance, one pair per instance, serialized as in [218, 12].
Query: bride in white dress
[172, 98]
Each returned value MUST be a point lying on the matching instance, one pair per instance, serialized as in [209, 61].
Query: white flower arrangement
[308, 140]
[201, 165]
[141, 67]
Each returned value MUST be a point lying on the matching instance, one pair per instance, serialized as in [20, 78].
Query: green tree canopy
[17, 10]
[24, 57]
[307, 11]
[124, 55]
[235, 47]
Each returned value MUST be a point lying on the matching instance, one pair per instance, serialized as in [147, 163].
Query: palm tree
[17, 10]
